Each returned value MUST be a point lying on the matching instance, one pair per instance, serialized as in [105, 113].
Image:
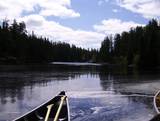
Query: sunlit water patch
[108, 106]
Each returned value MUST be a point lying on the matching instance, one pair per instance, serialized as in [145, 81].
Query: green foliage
[136, 60]
[140, 46]
[16, 46]
[106, 50]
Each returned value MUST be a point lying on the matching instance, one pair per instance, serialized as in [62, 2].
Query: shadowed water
[96, 93]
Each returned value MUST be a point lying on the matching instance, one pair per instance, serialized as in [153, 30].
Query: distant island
[140, 47]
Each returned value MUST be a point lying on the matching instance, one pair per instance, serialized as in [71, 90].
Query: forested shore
[140, 47]
[19, 47]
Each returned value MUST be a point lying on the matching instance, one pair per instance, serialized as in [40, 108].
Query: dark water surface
[95, 93]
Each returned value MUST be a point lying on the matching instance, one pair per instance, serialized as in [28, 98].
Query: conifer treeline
[139, 47]
[16, 46]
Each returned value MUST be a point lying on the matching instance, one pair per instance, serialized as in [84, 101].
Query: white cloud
[113, 26]
[59, 8]
[147, 8]
[115, 10]
[55, 32]
[100, 2]
[33, 20]
[15, 8]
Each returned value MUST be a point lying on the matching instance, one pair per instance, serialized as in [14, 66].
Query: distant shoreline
[76, 63]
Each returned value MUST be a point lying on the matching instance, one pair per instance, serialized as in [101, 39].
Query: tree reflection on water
[23, 87]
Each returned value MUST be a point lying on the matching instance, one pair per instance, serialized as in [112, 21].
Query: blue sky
[95, 12]
[84, 23]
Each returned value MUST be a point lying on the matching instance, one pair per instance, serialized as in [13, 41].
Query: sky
[84, 23]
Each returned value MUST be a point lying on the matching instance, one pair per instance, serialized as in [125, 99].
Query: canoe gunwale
[154, 102]
[38, 107]
[68, 109]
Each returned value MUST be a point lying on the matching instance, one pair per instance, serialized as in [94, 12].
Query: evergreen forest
[138, 47]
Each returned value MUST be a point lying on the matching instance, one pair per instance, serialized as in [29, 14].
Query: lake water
[96, 93]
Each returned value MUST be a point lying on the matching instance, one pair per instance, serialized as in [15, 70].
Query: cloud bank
[113, 26]
[55, 31]
[16, 8]
[147, 8]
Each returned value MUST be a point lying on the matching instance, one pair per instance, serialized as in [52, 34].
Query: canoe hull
[157, 102]
[39, 113]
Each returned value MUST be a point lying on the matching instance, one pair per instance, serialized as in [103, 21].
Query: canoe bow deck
[56, 109]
